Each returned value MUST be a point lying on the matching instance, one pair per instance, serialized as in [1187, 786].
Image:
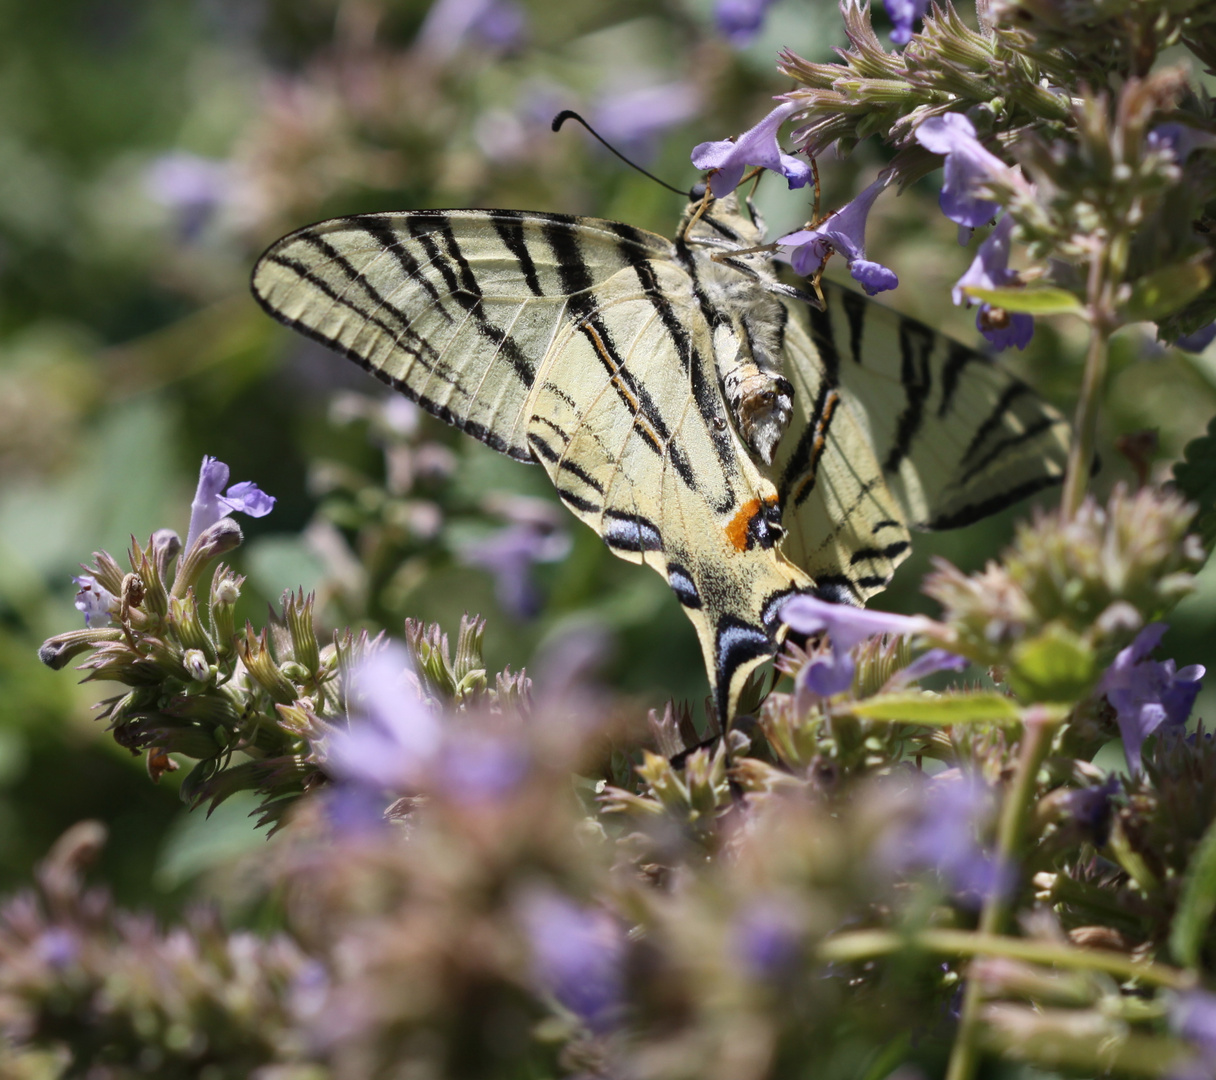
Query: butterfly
[703, 417]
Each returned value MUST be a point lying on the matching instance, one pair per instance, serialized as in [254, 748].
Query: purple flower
[767, 938]
[395, 738]
[57, 947]
[847, 627]
[903, 13]
[928, 663]
[1148, 694]
[193, 187]
[968, 167]
[510, 554]
[739, 21]
[843, 232]
[1091, 809]
[577, 955]
[944, 838]
[758, 146]
[1193, 1017]
[94, 600]
[1198, 341]
[637, 117]
[210, 505]
[450, 25]
[990, 270]
[1177, 140]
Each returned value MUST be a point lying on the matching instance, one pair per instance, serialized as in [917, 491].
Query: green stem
[1015, 810]
[1085, 423]
[862, 945]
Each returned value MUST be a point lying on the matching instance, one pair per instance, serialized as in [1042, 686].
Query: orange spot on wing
[738, 532]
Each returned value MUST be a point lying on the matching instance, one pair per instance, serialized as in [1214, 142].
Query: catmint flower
[1148, 694]
[990, 270]
[846, 626]
[577, 956]
[635, 118]
[392, 742]
[1198, 341]
[944, 838]
[928, 663]
[1177, 140]
[728, 159]
[767, 937]
[192, 187]
[843, 232]
[904, 13]
[450, 25]
[1091, 809]
[968, 166]
[94, 600]
[739, 21]
[509, 556]
[210, 505]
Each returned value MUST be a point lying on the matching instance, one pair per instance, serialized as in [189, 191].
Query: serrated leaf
[1195, 477]
[1043, 301]
[1165, 291]
[924, 707]
[1197, 904]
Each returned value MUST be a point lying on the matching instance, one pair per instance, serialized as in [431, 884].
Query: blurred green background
[149, 149]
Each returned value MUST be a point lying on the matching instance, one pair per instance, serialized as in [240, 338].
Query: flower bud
[254, 653]
[58, 651]
[196, 665]
[219, 539]
[225, 591]
[297, 612]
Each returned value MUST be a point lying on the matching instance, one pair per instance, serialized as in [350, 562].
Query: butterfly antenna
[570, 114]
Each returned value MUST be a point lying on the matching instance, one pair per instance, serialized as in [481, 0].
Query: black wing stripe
[576, 469]
[891, 551]
[736, 643]
[957, 358]
[1008, 443]
[993, 421]
[855, 312]
[825, 342]
[915, 345]
[974, 511]
[382, 232]
[509, 226]
[577, 501]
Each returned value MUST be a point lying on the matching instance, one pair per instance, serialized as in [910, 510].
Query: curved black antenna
[570, 114]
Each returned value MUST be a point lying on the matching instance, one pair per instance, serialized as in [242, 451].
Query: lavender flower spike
[1148, 694]
[211, 502]
[990, 270]
[843, 232]
[903, 13]
[846, 626]
[968, 166]
[756, 146]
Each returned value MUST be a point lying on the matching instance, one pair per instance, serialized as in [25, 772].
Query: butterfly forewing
[455, 308]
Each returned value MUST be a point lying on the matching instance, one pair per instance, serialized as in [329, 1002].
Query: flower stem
[1015, 809]
[1085, 423]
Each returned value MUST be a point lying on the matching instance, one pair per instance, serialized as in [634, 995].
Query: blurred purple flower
[843, 232]
[192, 187]
[1178, 140]
[577, 955]
[846, 626]
[928, 663]
[944, 838]
[210, 505]
[57, 947]
[394, 739]
[990, 270]
[1091, 809]
[739, 21]
[1198, 341]
[968, 166]
[635, 118]
[509, 556]
[1193, 1018]
[767, 937]
[450, 25]
[756, 146]
[94, 600]
[1148, 694]
[904, 13]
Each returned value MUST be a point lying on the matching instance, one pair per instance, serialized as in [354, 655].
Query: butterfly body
[688, 406]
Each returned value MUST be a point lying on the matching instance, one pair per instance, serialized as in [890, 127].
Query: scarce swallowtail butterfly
[698, 414]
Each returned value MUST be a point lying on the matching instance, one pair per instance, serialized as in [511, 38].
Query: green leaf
[1165, 291]
[1196, 479]
[1054, 665]
[923, 707]
[1197, 904]
[1041, 301]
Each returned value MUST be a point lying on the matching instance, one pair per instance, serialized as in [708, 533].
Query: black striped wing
[577, 343]
[947, 431]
